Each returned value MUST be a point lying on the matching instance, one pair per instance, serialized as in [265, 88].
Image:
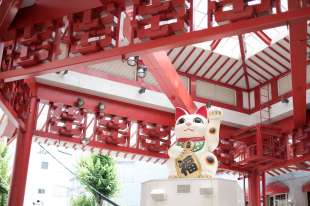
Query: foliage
[99, 172]
[4, 177]
[83, 201]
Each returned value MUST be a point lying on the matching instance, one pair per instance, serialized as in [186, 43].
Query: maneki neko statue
[197, 136]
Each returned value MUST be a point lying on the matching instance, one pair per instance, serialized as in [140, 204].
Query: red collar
[191, 139]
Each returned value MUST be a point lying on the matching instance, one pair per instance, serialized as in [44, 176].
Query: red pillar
[264, 189]
[22, 155]
[254, 189]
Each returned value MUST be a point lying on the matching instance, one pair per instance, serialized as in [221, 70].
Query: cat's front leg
[215, 116]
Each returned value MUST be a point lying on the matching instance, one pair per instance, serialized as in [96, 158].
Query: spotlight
[100, 107]
[208, 105]
[132, 61]
[285, 100]
[79, 102]
[142, 90]
[63, 72]
[141, 71]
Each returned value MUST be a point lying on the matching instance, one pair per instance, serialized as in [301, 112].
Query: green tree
[98, 174]
[83, 201]
[4, 177]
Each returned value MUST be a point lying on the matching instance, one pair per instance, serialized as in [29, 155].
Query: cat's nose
[188, 124]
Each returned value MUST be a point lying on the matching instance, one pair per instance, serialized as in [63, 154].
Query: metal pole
[22, 155]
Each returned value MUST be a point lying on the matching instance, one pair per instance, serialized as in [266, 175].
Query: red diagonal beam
[162, 44]
[215, 43]
[188, 56]
[164, 72]
[195, 60]
[267, 63]
[219, 68]
[233, 75]
[257, 73]
[261, 67]
[211, 66]
[178, 55]
[8, 10]
[279, 54]
[227, 71]
[242, 51]
[276, 60]
[203, 63]
[298, 33]
[264, 37]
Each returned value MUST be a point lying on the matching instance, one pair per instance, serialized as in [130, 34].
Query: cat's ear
[179, 112]
[202, 111]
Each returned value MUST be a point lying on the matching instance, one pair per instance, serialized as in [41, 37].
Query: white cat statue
[197, 136]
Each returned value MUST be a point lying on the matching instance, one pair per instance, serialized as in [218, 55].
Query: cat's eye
[181, 121]
[198, 120]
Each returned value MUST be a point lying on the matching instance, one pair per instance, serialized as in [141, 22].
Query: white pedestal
[191, 192]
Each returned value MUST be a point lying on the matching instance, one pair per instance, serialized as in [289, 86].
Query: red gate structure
[49, 36]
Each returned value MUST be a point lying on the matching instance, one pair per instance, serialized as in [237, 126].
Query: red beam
[220, 67]
[215, 43]
[22, 155]
[254, 189]
[8, 10]
[234, 74]
[227, 71]
[276, 60]
[188, 56]
[270, 65]
[164, 72]
[203, 63]
[164, 44]
[211, 66]
[264, 37]
[9, 111]
[298, 33]
[279, 54]
[133, 112]
[242, 51]
[262, 68]
[195, 60]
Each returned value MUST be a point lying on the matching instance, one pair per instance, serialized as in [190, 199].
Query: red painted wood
[227, 71]
[262, 68]
[269, 64]
[195, 60]
[211, 66]
[203, 63]
[188, 56]
[166, 43]
[298, 32]
[254, 189]
[233, 75]
[219, 68]
[264, 37]
[276, 188]
[22, 155]
[164, 72]
[275, 60]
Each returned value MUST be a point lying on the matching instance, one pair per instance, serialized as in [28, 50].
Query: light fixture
[208, 105]
[101, 107]
[64, 72]
[142, 90]
[132, 61]
[79, 102]
[285, 100]
[141, 71]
